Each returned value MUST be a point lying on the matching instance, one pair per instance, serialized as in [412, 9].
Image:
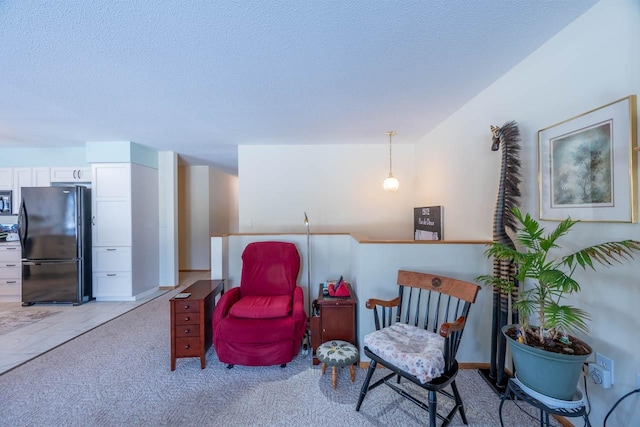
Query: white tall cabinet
[125, 231]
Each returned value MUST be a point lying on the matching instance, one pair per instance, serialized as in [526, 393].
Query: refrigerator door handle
[23, 224]
[72, 261]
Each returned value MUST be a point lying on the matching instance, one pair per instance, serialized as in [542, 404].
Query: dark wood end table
[191, 331]
[335, 320]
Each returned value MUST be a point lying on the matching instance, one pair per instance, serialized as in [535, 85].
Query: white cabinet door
[41, 177]
[22, 177]
[111, 204]
[10, 253]
[111, 223]
[10, 273]
[110, 259]
[112, 287]
[66, 174]
[112, 180]
[6, 179]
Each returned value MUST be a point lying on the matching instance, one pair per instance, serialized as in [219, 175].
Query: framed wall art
[587, 165]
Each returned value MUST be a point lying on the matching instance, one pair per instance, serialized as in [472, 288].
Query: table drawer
[187, 347]
[187, 306]
[187, 319]
[188, 330]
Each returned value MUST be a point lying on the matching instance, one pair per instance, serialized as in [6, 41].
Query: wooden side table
[191, 333]
[336, 320]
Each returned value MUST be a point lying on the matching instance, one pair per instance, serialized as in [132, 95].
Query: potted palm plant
[545, 354]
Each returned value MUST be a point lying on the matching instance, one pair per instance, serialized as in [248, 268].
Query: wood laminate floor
[29, 341]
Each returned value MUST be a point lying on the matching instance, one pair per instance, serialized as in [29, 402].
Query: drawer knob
[186, 331]
[186, 306]
[186, 318]
[186, 347]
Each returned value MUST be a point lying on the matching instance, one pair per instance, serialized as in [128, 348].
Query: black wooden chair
[418, 353]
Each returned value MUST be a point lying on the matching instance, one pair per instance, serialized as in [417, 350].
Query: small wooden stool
[336, 354]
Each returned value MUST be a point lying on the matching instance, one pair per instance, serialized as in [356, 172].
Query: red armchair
[262, 322]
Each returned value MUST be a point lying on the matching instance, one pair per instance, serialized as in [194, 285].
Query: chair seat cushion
[262, 307]
[414, 350]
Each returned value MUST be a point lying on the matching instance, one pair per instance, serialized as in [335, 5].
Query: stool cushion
[337, 353]
[414, 350]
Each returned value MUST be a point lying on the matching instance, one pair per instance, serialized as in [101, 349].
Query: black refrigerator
[54, 225]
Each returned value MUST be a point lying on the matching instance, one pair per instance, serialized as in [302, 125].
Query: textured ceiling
[202, 77]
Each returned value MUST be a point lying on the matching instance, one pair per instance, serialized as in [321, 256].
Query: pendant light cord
[390, 133]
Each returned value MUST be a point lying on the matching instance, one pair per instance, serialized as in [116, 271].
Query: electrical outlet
[599, 376]
[605, 363]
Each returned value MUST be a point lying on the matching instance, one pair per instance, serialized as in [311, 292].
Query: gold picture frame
[587, 166]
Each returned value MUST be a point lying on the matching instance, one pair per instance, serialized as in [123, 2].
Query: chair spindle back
[428, 301]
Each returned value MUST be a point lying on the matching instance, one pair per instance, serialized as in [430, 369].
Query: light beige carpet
[119, 374]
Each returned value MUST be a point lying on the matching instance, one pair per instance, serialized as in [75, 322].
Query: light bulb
[391, 183]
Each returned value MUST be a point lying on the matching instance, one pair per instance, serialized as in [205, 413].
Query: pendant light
[391, 183]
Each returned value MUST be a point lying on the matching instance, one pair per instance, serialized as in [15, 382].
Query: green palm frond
[558, 281]
[526, 307]
[565, 318]
[605, 254]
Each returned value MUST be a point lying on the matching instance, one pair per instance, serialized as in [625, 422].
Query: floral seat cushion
[414, 350]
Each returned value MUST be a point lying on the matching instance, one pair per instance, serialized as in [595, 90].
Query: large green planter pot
[552, 374]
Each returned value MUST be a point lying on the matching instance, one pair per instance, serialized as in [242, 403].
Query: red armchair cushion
[262, 307]
[269, 268]
[235, 331]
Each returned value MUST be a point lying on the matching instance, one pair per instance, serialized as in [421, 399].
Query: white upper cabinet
[41, 177]
[66, 174]
[27, 177]
[22, 177]
[6, 179]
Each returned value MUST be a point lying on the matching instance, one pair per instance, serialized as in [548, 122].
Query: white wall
[144, 229]
[194, 232]
[207, 206]
[168, 218]
[594, 61]
[339, 186]
[223, 206]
